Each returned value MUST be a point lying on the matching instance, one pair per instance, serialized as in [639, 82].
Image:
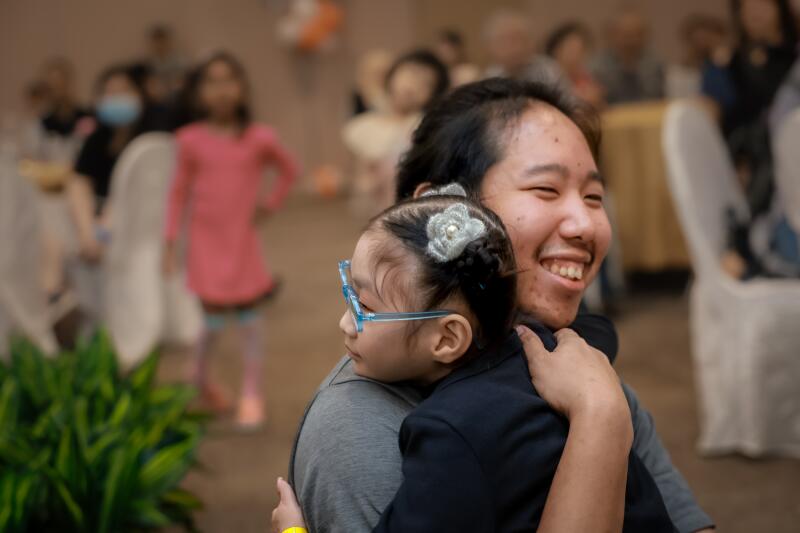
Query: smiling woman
[527, 152]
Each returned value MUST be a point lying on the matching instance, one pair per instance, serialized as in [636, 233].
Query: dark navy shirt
[480, 453]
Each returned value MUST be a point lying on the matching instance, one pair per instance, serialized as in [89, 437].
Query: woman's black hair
[561, 33]
[459, 138]
[428, 59]
[786, 16]
[195, 80]
[484, 274]
[125, 70]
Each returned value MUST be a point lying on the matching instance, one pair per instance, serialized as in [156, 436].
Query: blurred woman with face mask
[120, 113]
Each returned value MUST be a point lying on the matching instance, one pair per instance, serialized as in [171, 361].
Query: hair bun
[480, 262]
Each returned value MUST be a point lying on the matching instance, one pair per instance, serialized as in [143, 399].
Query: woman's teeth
[571, 271]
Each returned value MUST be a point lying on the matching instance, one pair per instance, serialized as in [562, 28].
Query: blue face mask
[121, 110]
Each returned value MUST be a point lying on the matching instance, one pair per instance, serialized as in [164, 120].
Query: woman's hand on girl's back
[288, 513]
[576, 379]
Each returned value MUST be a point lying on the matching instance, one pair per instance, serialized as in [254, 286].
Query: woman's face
[221, 90]
[548, 193]
[760, 19]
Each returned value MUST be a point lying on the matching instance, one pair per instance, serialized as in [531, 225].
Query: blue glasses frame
[359, 316]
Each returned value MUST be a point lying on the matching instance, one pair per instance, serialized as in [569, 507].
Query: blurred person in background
[741, 91]
[509, 41]
[120, 111]
[220, 170]
[378, 138]
[450, 49]
[628, 70]
[36, 99]
[704, 39]
[370, 86]
[168, 67]
[569, 45]
[65, 113]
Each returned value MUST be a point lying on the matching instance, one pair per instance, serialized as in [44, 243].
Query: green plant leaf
[166, 467]
[71, 505]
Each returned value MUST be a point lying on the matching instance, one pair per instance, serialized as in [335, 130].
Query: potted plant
[86, 449]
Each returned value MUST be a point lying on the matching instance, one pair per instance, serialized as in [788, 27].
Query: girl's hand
[288, 513]
[169, 263]
[576, 379]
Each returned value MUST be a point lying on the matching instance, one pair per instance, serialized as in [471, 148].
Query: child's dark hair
[427, 59]
[243, 112]
[484, 274]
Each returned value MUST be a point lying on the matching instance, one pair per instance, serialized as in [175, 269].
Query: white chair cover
[23, 304]
[745, 335]
[143, 308]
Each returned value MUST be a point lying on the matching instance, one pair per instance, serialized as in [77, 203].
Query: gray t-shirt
[346, 463]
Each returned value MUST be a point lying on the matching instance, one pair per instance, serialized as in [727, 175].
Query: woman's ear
[452, 339]
[421, 188]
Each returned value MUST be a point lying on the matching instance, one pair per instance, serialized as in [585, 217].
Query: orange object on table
[632, 162]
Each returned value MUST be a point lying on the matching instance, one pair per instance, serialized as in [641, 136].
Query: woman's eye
[546, 191]
[364, 307]
[595, 198]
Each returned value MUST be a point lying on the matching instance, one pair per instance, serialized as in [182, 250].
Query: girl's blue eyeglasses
[359, 317]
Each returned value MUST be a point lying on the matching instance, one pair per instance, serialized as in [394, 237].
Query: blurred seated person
[121, 115]
[628, 69]
[451, 51]
[703, 38]
[742, 90]
[509, 41]
[370, 87]
[54, 137]
[569, 46]
[377, 139]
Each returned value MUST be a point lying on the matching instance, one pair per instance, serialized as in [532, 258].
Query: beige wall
[305, 98]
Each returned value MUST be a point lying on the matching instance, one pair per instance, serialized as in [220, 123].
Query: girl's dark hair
[195, 80]
[786, 17]
[484, 274]
[561, 33]
[428, 59]
[459, 138]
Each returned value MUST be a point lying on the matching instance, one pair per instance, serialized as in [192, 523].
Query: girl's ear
[451, 340]
[421, 188]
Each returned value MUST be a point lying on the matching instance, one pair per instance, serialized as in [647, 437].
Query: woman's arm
[80, 198]
[588, 490]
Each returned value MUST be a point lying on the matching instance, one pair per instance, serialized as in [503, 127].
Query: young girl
[221, 163]
[480, 452]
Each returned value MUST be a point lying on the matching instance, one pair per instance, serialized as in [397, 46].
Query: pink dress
[221, 177]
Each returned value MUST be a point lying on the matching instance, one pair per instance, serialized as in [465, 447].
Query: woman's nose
[577, 221]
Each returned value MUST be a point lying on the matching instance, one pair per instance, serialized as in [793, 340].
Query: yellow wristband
[295, 530]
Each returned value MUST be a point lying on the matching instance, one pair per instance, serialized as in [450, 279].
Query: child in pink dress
[220, 170]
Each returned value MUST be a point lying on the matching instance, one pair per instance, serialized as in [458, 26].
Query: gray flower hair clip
[451, 189]
[450, 231]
